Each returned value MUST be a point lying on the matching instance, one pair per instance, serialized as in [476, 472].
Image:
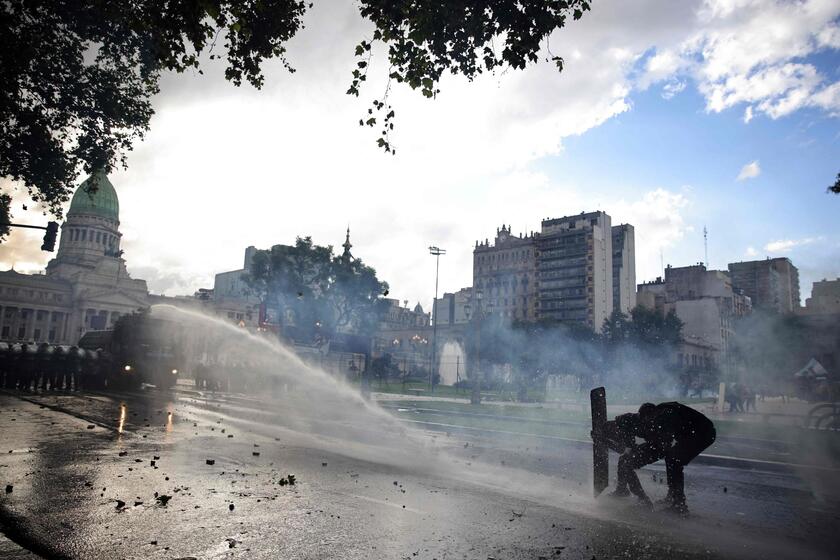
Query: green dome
[96, 196]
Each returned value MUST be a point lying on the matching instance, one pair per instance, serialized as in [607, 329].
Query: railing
[824, 416]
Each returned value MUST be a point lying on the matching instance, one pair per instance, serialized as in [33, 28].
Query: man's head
[647, 411]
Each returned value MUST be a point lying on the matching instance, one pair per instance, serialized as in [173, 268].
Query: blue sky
[223, 167]
[674, 143]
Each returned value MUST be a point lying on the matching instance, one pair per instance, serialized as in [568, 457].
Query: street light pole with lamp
[436, 252]
[476, 319]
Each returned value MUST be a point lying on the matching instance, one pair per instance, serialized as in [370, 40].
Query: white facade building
[85, 287]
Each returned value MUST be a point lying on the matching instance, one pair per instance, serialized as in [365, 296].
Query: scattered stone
[152, 462]
[9, 488]
[292, 479]
[255, 453]
[211, 461]
[91, 426]
[123, 453]
[163, 499]
[724, 490]
[120, 504]
[230, 507]
[156, 458]
[323, 464]
[138, 503]
[153, 543]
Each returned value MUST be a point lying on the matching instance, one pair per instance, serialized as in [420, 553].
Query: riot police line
[48, 367]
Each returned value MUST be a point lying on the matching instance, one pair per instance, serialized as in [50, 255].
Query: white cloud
[659, 223]
[223, 168]
[748, 114]
[753, 51]
[672, 88]
[749, 171]
[751, 252]
[785, 245]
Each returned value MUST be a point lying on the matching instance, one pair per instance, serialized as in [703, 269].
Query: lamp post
[436, 252]
[476, 319]
[395, 344]
[417, 345]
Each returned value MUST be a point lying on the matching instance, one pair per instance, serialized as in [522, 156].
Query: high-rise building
[450, 308]
[575, 269]
[771, 284]
[624, 268]
[505, 272]
[825, 298]
[706, 303]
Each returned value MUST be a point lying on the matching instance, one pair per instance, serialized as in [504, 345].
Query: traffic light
[49, 237]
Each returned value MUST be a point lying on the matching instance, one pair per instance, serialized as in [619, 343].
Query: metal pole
[437, 252]
[476, 385]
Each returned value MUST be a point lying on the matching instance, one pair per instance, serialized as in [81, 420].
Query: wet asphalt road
[85, 471]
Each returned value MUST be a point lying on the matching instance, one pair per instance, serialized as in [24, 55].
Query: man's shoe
[668, 500]
[678, 508]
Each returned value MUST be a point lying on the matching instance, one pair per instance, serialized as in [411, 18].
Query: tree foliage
[78, 77]
[314, 291]
[835, 188]
[5, 214]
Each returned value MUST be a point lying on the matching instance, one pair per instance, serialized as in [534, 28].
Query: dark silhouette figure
[672, 431]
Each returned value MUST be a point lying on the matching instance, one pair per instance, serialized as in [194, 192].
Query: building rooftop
[97, 196]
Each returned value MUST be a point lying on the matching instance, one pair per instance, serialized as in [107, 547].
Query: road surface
[191, 475]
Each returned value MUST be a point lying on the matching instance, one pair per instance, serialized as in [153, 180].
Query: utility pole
[436, 252]
[706, 245]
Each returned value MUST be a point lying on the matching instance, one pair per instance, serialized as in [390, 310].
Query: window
[37, 335]
[21, 332]
[84, 235]
[41, 315]
[98, 237]
[51, 336]
[5, 332]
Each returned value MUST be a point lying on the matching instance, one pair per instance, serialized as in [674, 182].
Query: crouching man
[671, 431]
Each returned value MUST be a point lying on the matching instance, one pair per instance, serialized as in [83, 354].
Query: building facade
[85, 287]
[575, 269]
[825, 298]
[706, 303]
[450, 308]
[771, 284]
[624, 268]
[505, 272]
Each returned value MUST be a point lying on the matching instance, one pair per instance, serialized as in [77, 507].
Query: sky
[670, 116]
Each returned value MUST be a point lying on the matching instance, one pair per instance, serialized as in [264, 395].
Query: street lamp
[477, 317]
[436, 252]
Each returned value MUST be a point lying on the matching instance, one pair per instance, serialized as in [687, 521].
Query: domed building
[86, 286]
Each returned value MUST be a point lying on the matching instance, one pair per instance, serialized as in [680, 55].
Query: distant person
[749, 399]
[733, 397]
[672, 431]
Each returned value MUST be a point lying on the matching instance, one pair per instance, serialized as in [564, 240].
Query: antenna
[706, 244]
